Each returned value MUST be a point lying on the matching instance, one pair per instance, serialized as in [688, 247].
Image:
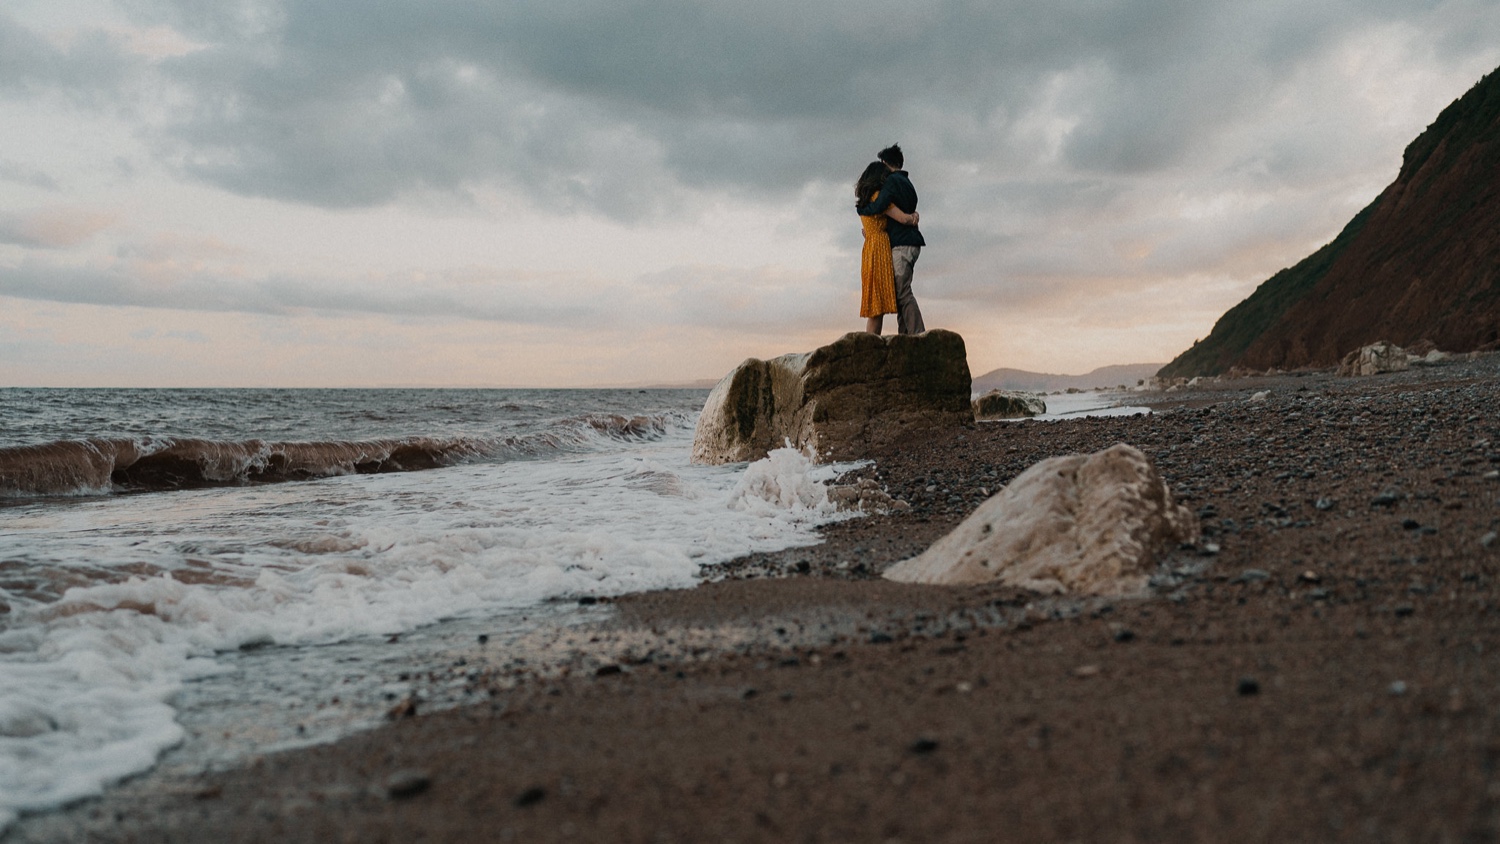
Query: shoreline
[1330, 673]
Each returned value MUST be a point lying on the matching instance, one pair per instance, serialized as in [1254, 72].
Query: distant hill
[1041, 382]
[1421, 262]
[698, 384]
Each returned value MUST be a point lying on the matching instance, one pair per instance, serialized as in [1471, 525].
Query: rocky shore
[1323, 665]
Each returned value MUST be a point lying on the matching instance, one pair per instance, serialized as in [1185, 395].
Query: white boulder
[1085, 523]
[1375, 359]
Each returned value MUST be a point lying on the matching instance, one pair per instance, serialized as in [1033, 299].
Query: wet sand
[1324, 666]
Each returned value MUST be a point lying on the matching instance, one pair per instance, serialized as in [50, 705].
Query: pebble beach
[1324, 665]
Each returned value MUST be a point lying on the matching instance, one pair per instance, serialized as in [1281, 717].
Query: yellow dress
[877, 277]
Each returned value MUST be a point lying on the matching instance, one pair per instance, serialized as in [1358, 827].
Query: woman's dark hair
[870, 181]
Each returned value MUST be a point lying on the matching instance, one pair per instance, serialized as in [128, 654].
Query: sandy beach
[1324, 665]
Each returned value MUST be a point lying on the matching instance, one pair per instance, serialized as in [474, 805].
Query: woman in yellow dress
[877, 278]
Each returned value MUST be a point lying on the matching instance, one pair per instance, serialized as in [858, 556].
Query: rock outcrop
[1422, 261]
[999, 404]
[836, 401]
[1084, 523]
[1375, 359]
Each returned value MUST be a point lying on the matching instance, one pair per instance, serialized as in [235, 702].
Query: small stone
[606, 670]
[587, 600]
[924, 745]
[879, 638]
[1209, 549]
[781, 779]
[1251, 575]
[1404, 610]
[1492, 475]
[1488, 539]
[1309, 576]
[1083, 671]
[1125, 635]
[484, 638]
[1248, 686]
[1325, 504]
[407, 783]
[1386, 499]
[531, 796]
[1410, 524]
[1397, 688]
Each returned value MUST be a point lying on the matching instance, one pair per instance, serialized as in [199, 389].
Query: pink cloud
[54, 228]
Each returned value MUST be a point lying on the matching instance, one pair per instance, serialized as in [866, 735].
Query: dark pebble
[407, 783]
[1248, 686]
[1124, 636]
[924, 745]
[1410, 524]
[588, 600]
[606, 670]
[878, 638]
[531, 796]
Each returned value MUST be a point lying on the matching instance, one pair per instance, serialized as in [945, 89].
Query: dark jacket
[897, 191]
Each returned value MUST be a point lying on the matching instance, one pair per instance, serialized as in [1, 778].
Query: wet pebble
[924, 746]
[407, 783]
[531, 796]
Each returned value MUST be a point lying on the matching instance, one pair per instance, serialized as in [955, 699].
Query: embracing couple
[887, 206]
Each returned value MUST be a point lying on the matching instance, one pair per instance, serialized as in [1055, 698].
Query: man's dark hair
[892, 155]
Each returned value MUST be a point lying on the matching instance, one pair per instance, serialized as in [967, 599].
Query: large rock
[860, 390]
[1375, 359]
[1088, 523]
[1000, 404]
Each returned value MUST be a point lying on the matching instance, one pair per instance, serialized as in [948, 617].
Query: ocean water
[195, 562]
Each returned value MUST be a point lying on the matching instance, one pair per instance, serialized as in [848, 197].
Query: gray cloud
[93, 70]
[22, 174]
[355, 102]
[146, 275]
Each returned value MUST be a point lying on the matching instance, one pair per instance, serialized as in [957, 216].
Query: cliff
[1421, 262]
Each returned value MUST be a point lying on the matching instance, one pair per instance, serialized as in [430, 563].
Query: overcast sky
[557, 193]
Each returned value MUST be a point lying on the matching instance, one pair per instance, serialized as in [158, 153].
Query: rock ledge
[837, 400]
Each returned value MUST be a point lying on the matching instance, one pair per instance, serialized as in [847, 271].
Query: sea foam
[162, 583]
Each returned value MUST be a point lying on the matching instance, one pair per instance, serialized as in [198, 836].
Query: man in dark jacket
[906, 241]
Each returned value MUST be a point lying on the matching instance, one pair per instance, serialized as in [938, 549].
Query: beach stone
[999, 404]
[1085, 523]
[407, 783]
[1374, 359]
[838, 400]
